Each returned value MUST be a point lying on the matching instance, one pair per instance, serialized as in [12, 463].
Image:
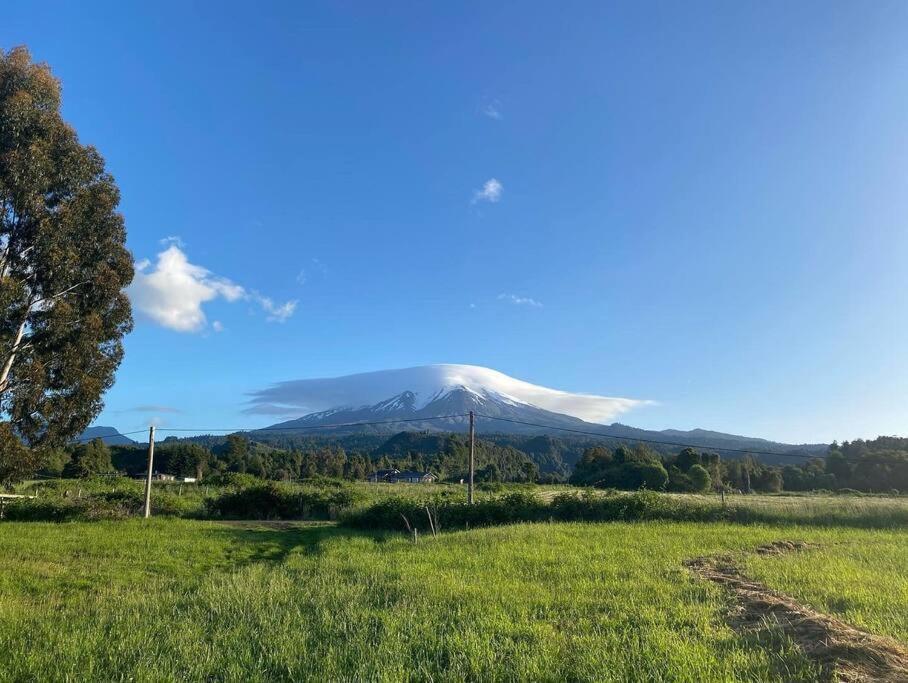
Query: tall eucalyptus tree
[63, 263]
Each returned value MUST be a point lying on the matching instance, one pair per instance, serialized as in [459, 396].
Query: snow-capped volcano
[429, 391]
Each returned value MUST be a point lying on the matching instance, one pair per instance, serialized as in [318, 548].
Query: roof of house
[413, 474]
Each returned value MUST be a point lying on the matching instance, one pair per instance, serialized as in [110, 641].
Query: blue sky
[699, 204]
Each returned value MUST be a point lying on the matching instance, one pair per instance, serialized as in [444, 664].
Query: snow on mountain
[413, 390]
[421, 394]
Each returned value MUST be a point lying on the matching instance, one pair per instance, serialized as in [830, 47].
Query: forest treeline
[880, 465]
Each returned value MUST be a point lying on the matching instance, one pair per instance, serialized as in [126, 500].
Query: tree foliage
[626, 468]
[17, 461]
[63, 263]
[89, 460]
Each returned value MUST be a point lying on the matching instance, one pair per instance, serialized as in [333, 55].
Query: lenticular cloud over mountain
[417, 388]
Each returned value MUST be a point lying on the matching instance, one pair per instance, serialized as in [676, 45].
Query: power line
[602, 435]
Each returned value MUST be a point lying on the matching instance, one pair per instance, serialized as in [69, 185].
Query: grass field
[862, 580]
[213, 601]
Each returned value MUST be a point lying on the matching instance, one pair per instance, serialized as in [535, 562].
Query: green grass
[207, 601]
[864, 582]
[814, 508]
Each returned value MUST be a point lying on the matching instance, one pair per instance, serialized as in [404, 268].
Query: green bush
[233, 479]
[270, 500]
[109, 505]
[64, 505]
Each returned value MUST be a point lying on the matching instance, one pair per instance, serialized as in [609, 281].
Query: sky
[699, 205]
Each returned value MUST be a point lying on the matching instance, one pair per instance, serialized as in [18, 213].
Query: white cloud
[173, 291]
[217, 326]
[172, 240]
[277, 313]
[520, 300]
[490, 192]
[492, 110]
[301, 277]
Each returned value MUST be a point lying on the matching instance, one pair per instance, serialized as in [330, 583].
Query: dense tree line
[447, 458]
[878, 466]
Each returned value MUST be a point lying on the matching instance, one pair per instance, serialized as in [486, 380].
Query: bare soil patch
[844, 652]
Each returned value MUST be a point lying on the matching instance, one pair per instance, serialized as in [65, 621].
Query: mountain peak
[108, 435]
[415, 388]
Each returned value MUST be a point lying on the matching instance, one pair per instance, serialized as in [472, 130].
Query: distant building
[383, 475]
[413, 477]
[157, 476]
[405, 477]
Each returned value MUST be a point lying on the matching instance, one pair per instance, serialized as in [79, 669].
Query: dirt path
[844, 652]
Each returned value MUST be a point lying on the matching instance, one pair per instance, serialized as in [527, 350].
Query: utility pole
[472, 456]
[150, 466]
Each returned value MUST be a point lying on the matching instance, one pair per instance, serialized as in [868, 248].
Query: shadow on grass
[255, 542]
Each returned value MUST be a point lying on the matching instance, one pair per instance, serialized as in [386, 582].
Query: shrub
[527, 507]
[123, 502]
[115, 505]
[271, 500]
[233, 479]
[699, 478]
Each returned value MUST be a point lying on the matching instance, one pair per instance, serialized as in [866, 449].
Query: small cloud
[472, 305]
[217, 326]
[172, 292]
[172, 240]
[490, 192]
[520, 300]
[316, 269]
[277, 313]
[155, 409]
[492, 110]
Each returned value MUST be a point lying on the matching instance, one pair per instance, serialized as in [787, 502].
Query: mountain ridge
[447, 413]
[109, 435]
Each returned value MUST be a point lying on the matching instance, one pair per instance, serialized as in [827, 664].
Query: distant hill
[108, 435]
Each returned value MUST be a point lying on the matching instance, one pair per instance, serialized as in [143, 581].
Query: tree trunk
[8, 366]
